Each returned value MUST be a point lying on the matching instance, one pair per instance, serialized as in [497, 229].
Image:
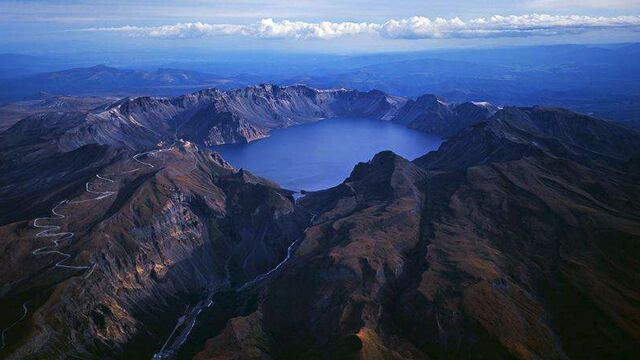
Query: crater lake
[322, 154]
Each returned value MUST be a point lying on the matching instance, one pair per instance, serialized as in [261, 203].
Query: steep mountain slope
[14, 112]
[110, 269]
[112, 239]
[516, 132]
[275, 106]
[208, 117]
[429, 114]
[518, 238]
[525, 246]
[212, 116]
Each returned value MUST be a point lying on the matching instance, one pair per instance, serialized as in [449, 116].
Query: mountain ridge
[213, 117]
[519, 232]
[492, 257]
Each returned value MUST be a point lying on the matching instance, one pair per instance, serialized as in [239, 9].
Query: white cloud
[265, 28]
[416, 27]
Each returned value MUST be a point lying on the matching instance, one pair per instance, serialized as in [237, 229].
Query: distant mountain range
[16, 111]
[517, 238]
[591, 80]
[104, 80]
[599, 80]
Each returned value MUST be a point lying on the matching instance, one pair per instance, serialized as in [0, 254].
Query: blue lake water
[322, 154]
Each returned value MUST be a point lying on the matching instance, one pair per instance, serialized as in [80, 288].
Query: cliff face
[206, 117]
[429, 114]
[150, 235]
[209, 127]
[514, 250]
[514, 133]
[273, 106]
[512, 240]
[213, 117]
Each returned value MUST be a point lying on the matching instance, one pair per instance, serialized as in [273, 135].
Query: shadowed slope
[180, 223]
[525, 246]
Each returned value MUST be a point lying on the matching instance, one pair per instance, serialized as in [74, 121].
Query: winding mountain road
[53, 231]
[186, 323]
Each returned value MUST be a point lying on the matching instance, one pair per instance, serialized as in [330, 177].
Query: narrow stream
[187, 322]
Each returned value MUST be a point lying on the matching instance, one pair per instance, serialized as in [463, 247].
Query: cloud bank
[416, 27]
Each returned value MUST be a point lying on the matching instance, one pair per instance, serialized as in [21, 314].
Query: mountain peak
[429, 100]
[517, 132]
[101, 67]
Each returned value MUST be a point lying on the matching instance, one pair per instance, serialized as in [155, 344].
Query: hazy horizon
[52, 27]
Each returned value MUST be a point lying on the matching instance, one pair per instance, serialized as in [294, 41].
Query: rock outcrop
[207, 117]
[214, 117]
[518, 238]
[430, 114]
[148, 236]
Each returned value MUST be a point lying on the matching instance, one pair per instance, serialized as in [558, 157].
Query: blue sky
[325, 26]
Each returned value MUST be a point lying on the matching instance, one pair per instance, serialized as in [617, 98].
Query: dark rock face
[220, 128]
[212, 117]
[207, 117]
[178, 223]
[429, 114]
[524, 247]
[517, 238]
[273, 106]
[514, 133]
